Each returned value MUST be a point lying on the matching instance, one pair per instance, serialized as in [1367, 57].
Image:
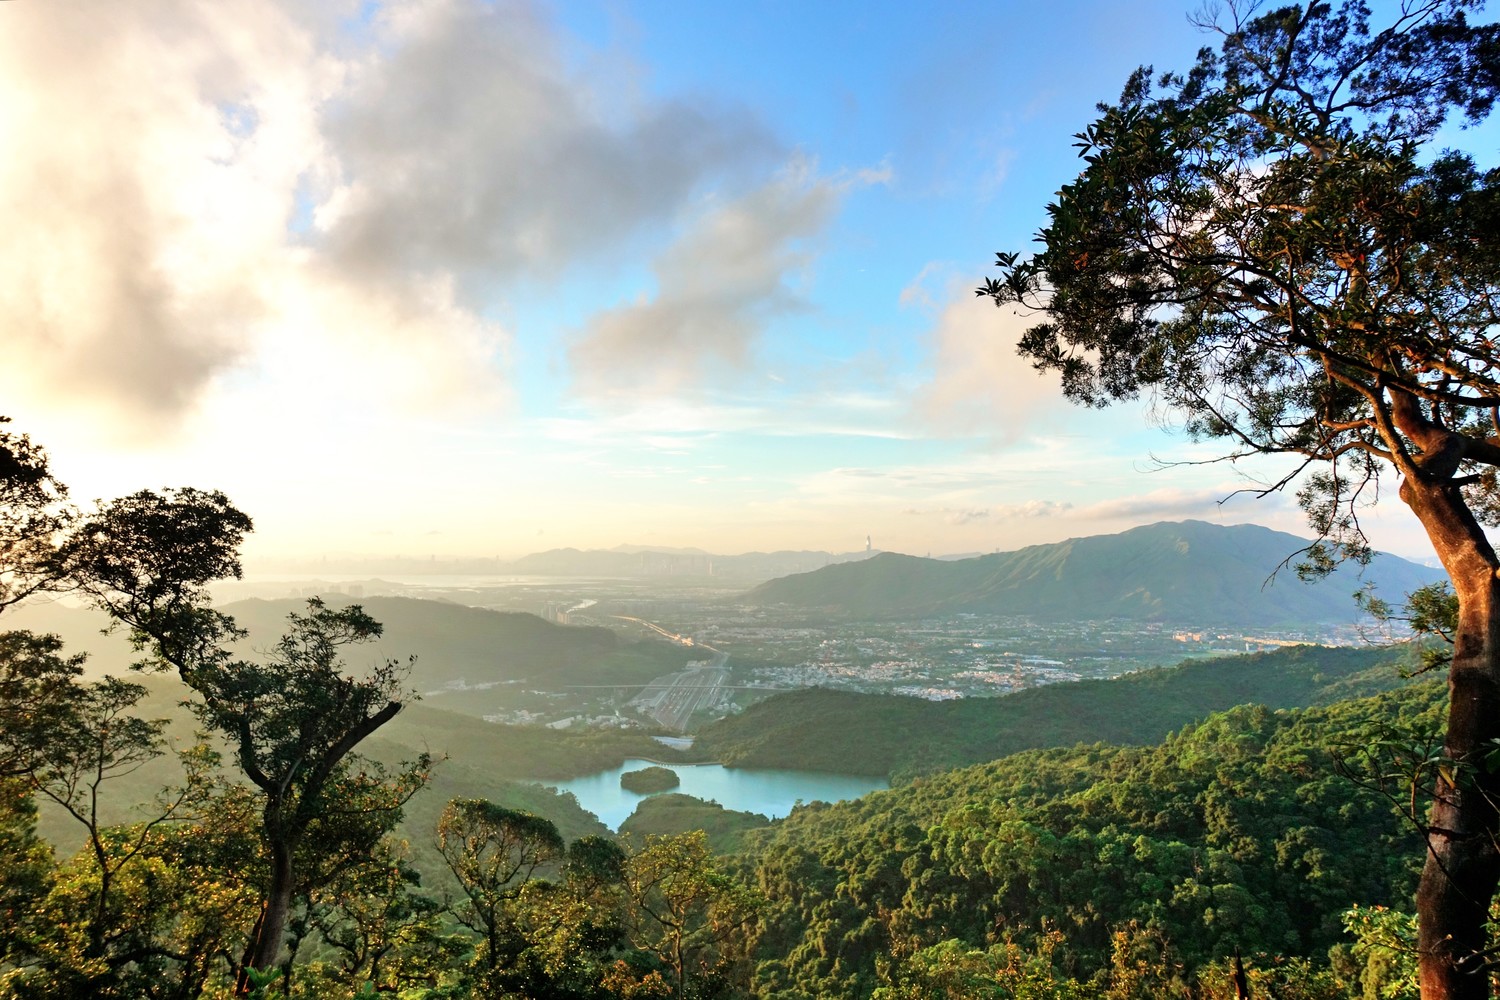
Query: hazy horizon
[453, 277]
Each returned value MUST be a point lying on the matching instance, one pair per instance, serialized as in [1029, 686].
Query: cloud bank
[200, 193]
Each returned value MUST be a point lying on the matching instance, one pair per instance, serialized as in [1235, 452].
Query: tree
[689, 913]
[36, 680]
[292, 722]
[494, 852]
[380, 928]
[32, 518]
[151, 910]
[1266, 247]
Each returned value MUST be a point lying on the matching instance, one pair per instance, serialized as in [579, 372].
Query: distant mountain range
[635, 561]
[622, 561]
[1175, 572]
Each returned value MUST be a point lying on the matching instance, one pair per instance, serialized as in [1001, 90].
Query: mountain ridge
[1170, 571]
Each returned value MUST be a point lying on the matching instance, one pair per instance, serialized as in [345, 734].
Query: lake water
[770, 793]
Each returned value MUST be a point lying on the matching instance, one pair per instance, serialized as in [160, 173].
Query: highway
[672, 700]
[685, 640]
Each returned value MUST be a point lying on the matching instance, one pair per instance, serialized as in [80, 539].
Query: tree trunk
[278, 907]
[1462, 864]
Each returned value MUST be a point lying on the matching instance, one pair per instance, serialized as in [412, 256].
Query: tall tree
[292, 721]
[494, 852]
[292, 724]
[689, 913]
[1268, 247]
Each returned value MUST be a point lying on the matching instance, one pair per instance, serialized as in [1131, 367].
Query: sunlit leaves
[1260, 247]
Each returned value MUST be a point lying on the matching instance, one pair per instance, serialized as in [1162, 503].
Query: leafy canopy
[1266, 247]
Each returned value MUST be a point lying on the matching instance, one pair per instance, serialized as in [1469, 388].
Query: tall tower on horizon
[867, 545]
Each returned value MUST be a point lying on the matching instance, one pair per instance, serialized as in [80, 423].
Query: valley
[679, 649]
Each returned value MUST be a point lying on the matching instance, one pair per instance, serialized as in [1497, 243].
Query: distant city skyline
[452, 277]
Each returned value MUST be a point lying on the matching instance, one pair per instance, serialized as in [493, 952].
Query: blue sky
[456, 277]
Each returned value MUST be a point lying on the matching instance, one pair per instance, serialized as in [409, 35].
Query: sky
[463, 278]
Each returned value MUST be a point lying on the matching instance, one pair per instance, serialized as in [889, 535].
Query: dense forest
[1132, 871]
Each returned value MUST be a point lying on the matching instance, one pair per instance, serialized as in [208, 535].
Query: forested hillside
[899, 736]
[1102, 864]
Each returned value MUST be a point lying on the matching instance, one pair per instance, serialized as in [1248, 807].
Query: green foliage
[649, 780]
[494, 853]
[950, 970]
[26, 868]
[1385, 946]
[673, 814]
[33, 519]
[690, 915]
[385, 934]
[1234, 833]
[38, 697]
[144, 911]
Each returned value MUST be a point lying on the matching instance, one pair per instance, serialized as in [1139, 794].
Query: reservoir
[768, 792]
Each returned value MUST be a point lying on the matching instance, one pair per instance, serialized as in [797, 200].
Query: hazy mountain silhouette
[1179, 572]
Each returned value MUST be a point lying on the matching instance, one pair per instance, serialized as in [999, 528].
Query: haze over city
[461, 278]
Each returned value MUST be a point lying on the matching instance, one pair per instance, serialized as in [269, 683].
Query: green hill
[453, 642]
[890, 735]
[1238, 833]
[673, 813]
[1181, 572]
[458, 649]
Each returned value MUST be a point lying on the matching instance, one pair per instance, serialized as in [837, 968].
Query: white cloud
[1036, 509]
[731, 273]
[468, 146]
[1169, 502]
[145, 189]
[980, 386]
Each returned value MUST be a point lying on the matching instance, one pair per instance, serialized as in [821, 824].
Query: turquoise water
[770, 793]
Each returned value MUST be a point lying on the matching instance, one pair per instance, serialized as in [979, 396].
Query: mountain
[454, 642]
[1176, 572]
